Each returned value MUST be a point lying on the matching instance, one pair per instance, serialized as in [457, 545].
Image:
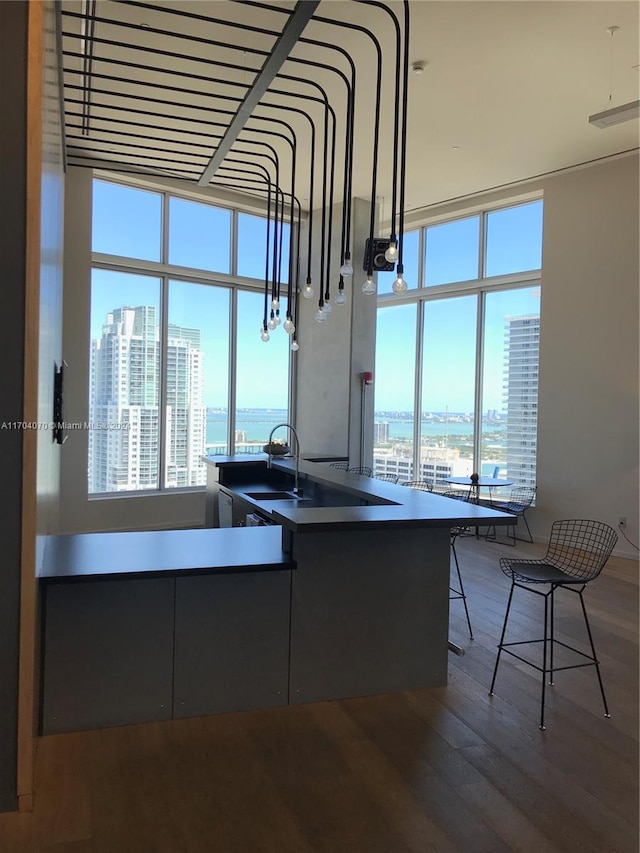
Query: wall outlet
[622, 520]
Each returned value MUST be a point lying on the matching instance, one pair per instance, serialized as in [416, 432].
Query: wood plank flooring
[448, 769]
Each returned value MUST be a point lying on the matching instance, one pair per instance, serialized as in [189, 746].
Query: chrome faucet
[296, 490]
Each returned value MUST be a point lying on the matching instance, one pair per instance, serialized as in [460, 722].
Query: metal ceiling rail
[301, 15]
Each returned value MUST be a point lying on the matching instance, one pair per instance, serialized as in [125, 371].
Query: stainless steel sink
[275, 496]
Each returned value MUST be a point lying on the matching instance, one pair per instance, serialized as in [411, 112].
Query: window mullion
[417, 393]
[482, 245]
[422, 242]
[162, 385]
[233, 365]
[477, 416]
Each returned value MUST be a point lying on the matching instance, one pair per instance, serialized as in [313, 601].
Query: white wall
[588, 397]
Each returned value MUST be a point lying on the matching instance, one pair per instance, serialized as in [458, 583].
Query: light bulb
[272, 322]
[399, 285]
[295, 346]
[264, 334]
[327, 306]
[340, 298]
[277, 318]
[391, 254]
[320, 316]
[307, 291]
[347, 268]
[275, 303]
[368, 286]
[288, 326]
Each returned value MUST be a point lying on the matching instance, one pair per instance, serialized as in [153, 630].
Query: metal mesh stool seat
[341, 466]
[389, 478]
[577, 552]
[360, 469]
[422, 485]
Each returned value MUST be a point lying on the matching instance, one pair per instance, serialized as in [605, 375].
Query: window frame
[189, 275]
[481, 287]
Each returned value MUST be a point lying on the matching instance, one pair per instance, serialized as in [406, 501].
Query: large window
[169, 353]
[472, 370]
[394, 424]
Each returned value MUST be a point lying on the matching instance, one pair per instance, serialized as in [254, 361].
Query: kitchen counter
[377, 504]
[159, 553]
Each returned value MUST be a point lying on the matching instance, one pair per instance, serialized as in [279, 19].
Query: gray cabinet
[108, 653]
[231, 642]
[133, 651]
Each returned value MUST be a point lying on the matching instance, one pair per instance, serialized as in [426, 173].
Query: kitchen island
[343, 592]
[370, 594]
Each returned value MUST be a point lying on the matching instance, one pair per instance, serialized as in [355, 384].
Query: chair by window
[389, 478]
[518, 502]
[417, 484]
[341, 466]
[360, 469]
[577, 552]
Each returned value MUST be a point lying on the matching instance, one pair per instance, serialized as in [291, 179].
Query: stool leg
[544, 658]
[504, 628]
[464, 597]
[595, 660]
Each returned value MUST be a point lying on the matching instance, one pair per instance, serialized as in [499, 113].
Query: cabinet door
[225, 509]
[108, 653]
[231, 642]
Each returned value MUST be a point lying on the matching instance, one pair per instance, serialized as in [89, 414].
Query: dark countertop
[161, 553]
[394, 506]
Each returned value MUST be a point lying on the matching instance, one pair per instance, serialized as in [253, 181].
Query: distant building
[123, 400]
[522, 339]
[436, 464]
[380, 432]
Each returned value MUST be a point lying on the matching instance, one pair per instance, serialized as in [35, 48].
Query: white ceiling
[511, 84]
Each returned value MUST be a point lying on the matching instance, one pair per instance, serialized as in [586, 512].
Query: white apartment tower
[185, 410]
[522, 339]
[124, 404]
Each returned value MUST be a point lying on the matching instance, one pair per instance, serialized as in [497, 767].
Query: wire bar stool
[576, 554]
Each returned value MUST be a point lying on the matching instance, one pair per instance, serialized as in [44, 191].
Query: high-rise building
[380, 433]
[185, 411]
[522, 339]
[124, 404]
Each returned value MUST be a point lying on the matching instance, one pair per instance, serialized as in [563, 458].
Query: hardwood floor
[448, 769]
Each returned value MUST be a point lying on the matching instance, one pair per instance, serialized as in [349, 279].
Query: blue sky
[128, 222]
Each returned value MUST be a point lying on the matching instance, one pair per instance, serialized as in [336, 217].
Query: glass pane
[510, 385]
[410, 252]
[199, 235]
[448, 380]
[452, 251]
[124, 382]
[126, 221]
[514, 239]
[252, 248]
[197, 380]
[394, 389]
[262, 376]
